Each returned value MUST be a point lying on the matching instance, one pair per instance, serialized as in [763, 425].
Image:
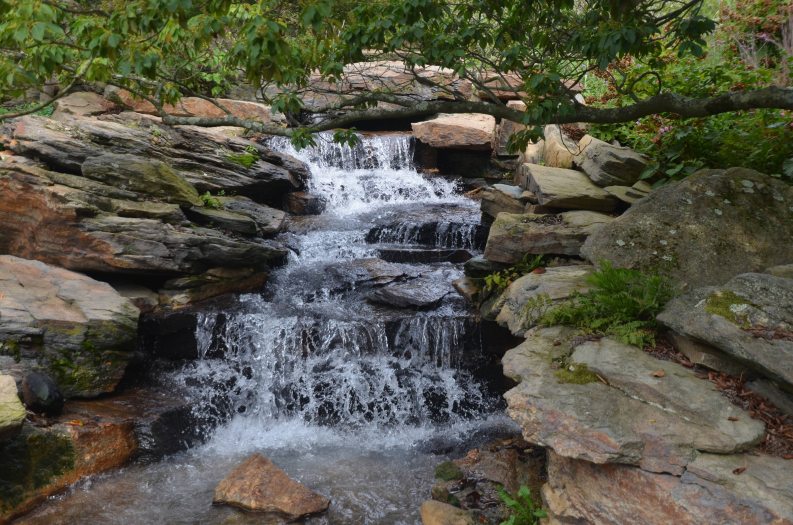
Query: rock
[479, 267]
[437, 513]
[224, 220]
[12, 413]
[81, 103]
[507, 128]
[421, 293]
[703, 230]
[168, 213]
[709, 491]
[80, 330]
[269, 221]
[781, 400]
[303, 203]
[471, 131]
[749, 318]
[627, 194]
[512, 236]
[504, 198]
[41, 394]
[638, 418]
[568, 189]
[782, 270]
[533, 154]
[179, 292]
[145, 176]
[468, 288]
[704, 355]
[609, 165]
[528, 298]
[258, 485]
[559, 149]
[145, 299]
[423, 255]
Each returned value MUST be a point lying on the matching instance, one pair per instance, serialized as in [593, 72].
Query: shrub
[210, 201]
[498, 281]
[524, 511]
[621, 302]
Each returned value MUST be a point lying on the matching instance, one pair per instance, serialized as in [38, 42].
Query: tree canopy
[537, 50]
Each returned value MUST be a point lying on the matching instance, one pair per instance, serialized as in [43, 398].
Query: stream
[354, 392]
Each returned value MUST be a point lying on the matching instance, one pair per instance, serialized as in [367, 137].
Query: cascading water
[347, 393]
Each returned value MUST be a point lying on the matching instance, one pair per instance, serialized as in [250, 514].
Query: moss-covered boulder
[79, 330]
[150, 177]
[703, 230]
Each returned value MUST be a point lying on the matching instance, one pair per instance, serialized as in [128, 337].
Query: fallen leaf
[658, 373]
[739, 470]
[732, 418]
[787, 456]
[538, 270]
[75, 422]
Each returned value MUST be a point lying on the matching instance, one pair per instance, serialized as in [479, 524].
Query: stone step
[424, 255]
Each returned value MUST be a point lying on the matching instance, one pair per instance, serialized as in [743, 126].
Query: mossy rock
[728, 305]
[448, 471]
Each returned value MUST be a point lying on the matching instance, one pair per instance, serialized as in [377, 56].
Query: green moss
[245, 160]
[31, 461]
[11, 347]
[576, 374]
[448, 471]
[211, 202]
[728, 305]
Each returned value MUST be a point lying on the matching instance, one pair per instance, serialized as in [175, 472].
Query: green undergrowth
[211, 201]
[246, 159]
[448, 471]
[620, 302]
[522, 507]
[728, 305]
[497, 282]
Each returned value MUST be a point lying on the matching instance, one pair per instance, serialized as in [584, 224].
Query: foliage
[45, 111]
[524, 511]
[211, 202]
[448, 471]
[498, 281]
[620, 302]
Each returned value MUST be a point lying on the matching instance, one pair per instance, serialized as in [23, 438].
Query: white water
[348, 397]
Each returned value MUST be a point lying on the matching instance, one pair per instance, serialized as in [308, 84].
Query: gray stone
[512, 236]
[528, 298]
[269, 221]
[568, 189]
[609, 165]
[418, 293]
[223, 219]
[782, 270]
[642, 417]
[478, 267]
[503, 198]
[722, 317]
[705, 355]
[703, 230]
[781, 400]
[437, 513]
[12, 413]
[627, 194]
[304, 203]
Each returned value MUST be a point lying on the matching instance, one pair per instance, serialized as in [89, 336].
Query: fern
[524, 511]
[498, 281]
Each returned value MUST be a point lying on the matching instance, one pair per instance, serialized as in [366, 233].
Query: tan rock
[609, 165]
[567, 189]
[258, 485]
[559, 149]
[627, 194]
[472, 131]
[12, 413]
[507, 128]
[82, 103]
[437, 513]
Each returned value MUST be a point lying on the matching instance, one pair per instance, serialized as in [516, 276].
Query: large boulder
[504, 198]
[703, 230]
[514, 235]
[12, 413]
[471, 131]
[567, 189]
[749, 320]
[507, 128]
[80, 330]
[559, 149]
[609, 165]
[258, 485]
[606, 402]
[81, 103]
[744, 488]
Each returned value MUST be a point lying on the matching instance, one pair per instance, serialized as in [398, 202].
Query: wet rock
[304, 203]
[528, 298]
[479, 267]
[568, 189]
[471, 131]
[703, 230]
[749, 319]
[750, 489]
[421, 293]
[224, 220]
[653, 414]
[145, 299]
[258, 485]
[170, 335]
[149, 177]
[430, 232]
[609, 165]
[12, 413]
[512, 236]
[368, 272]
[468, 288]
[559, 149]
[269, 221]
[419, 255]
[177, 293]
[80, 330]
[41, 394]
[81, 103]
[437, 513]
[504, 198]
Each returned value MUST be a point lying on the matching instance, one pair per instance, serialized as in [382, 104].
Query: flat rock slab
[82, 330]
[514, 235]
[421, 293]
[609, 165]
[567, 189]
[703, 230]
[269, 221]
[224, 220]
[471, 131]
[502, 198]
[747, 319]
[424, 255]
[258, 485]
[437, 513]
[742, 488]
[627, 194]
[564, 405]
[528, 298]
